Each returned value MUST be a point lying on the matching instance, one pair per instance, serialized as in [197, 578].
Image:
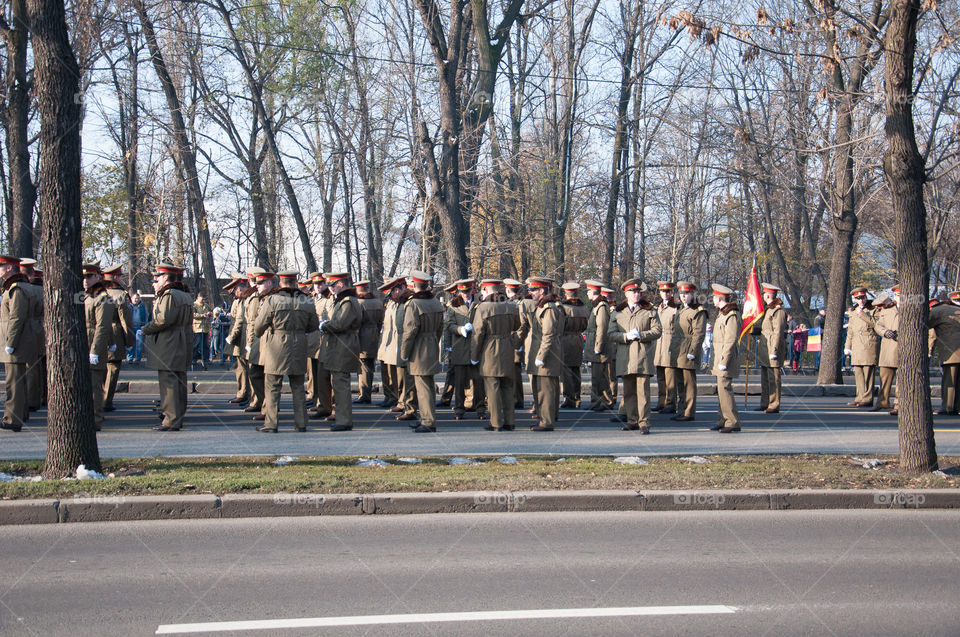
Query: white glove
[473, 362]
[597, 352]
[463, 331]
[520, 351]
[468, 327]
[112, 348]
[405, 360]
[538, 363]
[691, 357]
[633, 334]
[94, 359]
[448, 349]
[773, 357]
[722, 368]
[847, 352]
[248, 350]
[8, 350]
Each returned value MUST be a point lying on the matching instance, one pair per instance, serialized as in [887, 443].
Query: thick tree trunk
[904, 171]
[23, 192]
[71, 440]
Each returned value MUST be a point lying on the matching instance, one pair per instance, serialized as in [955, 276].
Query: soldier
[636, 329]
[576, 317]
[123, 335]
[595, 347]
[887, 322]
[342, 330]
[771, 348]
[726, 359]
[420, 346]
[251, 308]
[492, 348]
[515, 295]
[100, 313]
[285, 318]
[20, 348]
[545, 358]
[371, 323]
[688, 334]
[944, 323]
[236, 339]
[322, 389]
[862, 346]
[169, 339]
[665, 359]
[202, 314]
[459, 324]
[528, 308]
[389, 351]
[36, 372]
[449, 293]
[610, 296]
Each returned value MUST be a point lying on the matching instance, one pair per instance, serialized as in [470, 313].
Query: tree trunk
[71, 440]
[23, 192]
[904, 171]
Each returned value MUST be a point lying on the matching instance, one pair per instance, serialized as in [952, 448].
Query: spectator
[707, 347]
[138, 310]
[201, 330]
[220, 325]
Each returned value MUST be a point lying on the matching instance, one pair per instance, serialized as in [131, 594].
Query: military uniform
[20, 347]
[285, 318]
[665, 359]
[36, 372]
[100, 313]
[944, 321]
[636, 331]
[446, 397]
[514, 296]
[251, 308]
[123, 335]
[576, 317]
[771, 350]
[467, 384]
[863, 344]
[236, 339]
[726, 360]
[595, 350]
[887, 322]
[420, 347]
[688, 334]
[545, 358]
[342, 332]
[371, 323]
[610, 349]
[169, 338]
[493, 346]
[322, 382]
[389, 351]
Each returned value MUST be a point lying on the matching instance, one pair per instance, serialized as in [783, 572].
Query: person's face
[633, 296]
[511, 293]
[768, 297]
[90, 279]
[466, 294]
[136, 299]
[264, 285]
[537, 293]
[861, 301]
[686, 297]
[201, 298]
[666, 295]
[337, 286]
[362, 289]
[593, 295]
[7, 269]
[719, 301]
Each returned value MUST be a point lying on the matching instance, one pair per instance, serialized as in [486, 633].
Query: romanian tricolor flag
[752, 303]
[813, 339]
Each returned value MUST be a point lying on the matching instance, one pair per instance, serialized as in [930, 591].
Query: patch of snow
[88, 474]
[630, 460]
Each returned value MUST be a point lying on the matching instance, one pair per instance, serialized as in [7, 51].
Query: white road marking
[426, 618]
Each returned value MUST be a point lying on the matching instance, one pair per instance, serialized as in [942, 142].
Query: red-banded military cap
[362, 284]
[7, 259]
[665, 286]
[633, 285]
[419, 276]
[466, 284]
[770, 287]
[389, 282]
[512, 283]
[288, 274]
[686, 286]
[858, 292]
[539, 282]
[168, 268]
[90, 268]
[114, 270]
[593, 284]
[721, 290]
[570, 286]
[490, 283]
[331, 277]
[26, 265]
[896, 288]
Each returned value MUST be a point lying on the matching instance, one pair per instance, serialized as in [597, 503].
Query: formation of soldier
[320, 332]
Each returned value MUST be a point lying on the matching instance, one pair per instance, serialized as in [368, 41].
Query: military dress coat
[35, 294]
[595, 338]
[123, 335]
[100, 314]
[726, 349]
[667, 316]
[688, 334]
[773, 329]
[636, 357]
[237, 338]
[423, 325]
[341, 333]
[169, 336]
[944, 320]
[285, 319]
[17, 327]
[546, 331]
[862, 339]
[527, 308]
[493, 341]
[251, 308]
[575, 320]
[371, 322]
[887, 319]
[459, 313]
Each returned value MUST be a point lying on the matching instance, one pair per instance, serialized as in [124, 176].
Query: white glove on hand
[473, 362]
[448, 349]
[468, 327]
[8, 350]
[248, 350]
[520, 351]
[633, 334]
[773, 357]
[463, 331]
[691, 357]
[112, 348]
[94, 359]
[538, 363]
[722, 368]
[597, 352]
[847, 352]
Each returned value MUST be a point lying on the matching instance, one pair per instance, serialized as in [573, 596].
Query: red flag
[752, 303]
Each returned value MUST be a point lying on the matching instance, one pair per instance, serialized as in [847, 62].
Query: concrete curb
[91, 508]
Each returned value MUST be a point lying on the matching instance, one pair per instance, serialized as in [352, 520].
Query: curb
[87, 508]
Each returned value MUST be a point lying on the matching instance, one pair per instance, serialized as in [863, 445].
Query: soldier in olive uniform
[636, 330]
[944, 322]
[322, 385]
[251, 308]
[610, 296]
[863, 346]
[595, 347]
[467, 384]
[36, 372]
[285, 318]
[726, 360]
[342, 332]
[576, 317]
[389, 351]
[123, 335]
[545, 358]
[492, 348]
[688, 334]
[446, 397]
[527, 307]
[514, 290]
[665, 359]
[420, 346]
[20, 348]
[771, 349]
[887, 322]
[100, 313]
[169, 339]
[372, 322]
[237, 339]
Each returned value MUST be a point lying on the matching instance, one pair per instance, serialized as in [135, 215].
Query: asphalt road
[753, 573]
[809, 424]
